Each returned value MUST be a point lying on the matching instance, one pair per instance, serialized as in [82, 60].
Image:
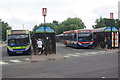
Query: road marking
[85, 54]
[93, 53]
[27, 59]
[16, 61]
[75, 55]
[66, 56]
[1, 62]
[103, 77]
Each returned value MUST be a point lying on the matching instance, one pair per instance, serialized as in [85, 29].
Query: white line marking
[77, 53]
[94, 53]
[16, 61]
[74, 55]
[103, 77]
[27, 59]
[66, 56]
[1, 62]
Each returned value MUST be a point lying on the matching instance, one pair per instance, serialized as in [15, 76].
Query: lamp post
[111, 18]
[44, 12]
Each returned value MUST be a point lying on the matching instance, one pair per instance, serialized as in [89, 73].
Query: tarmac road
[103, 65]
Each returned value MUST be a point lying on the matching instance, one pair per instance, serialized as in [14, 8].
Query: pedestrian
[109, 42]
[34, 45]
[102, 44]
[39, 43]
[43, 46]
[105, 42]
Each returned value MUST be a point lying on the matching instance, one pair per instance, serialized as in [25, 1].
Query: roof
[99, 29]
[60, 35]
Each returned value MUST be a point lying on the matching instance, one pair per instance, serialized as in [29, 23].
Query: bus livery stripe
[20, 47]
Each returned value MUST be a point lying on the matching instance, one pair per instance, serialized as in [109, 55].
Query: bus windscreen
[84, 37]
[14, 40]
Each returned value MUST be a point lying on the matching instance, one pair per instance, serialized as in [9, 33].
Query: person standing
[43, 46]
[105, 42]
[39, 43]
[109, 42]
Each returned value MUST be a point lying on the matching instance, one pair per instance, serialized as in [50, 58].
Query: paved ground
[70, 63]
[85, 67]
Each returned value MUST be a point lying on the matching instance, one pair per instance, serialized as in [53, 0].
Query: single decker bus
[18, 42]
[79, 38]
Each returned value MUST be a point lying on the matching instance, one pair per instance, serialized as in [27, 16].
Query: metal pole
[118, 35]
[45, 38]
[23, 26]
[111, 36]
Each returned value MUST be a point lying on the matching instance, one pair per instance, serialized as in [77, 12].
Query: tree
[99, 23]
[69, 24]
[105, 22]
[55, 22]
[119, 24]
[4, 27]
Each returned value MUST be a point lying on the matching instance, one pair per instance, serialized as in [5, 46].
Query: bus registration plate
[18, 52]
[85, 46]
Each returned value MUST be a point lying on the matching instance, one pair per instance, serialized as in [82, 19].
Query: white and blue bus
[18, 42]
[78, 38]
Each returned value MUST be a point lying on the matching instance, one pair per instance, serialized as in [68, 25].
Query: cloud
[29, 12]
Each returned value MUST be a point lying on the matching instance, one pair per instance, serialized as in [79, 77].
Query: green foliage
[3, 28]
[119, 24]
[104, 22]
[69, 24]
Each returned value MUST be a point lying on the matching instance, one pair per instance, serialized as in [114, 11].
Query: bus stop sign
[44, 11]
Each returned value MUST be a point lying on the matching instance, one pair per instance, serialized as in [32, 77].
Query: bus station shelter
[101, 33]
[49, 35]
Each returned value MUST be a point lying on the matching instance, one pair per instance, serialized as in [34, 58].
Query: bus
[79, 38]
[59, 38]
[18, 42]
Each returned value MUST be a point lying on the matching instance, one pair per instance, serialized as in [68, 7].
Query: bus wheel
[67, 45]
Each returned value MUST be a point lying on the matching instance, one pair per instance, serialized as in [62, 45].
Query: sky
[29, 12]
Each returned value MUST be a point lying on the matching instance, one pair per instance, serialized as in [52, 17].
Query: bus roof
[18, 30]
[10, 32]
[60, 35]
[72, 31]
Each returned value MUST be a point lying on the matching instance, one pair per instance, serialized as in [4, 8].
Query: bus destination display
[18, 32]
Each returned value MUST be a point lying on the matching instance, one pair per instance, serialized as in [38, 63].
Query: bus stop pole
[45, 38]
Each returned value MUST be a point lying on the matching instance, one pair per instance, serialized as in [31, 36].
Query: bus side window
[75, 36]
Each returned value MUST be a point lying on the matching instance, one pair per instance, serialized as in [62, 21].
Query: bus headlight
[27, 48]
[91, 43]
[10, 49]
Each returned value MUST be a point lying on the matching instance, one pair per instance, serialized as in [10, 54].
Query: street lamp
[44, 13]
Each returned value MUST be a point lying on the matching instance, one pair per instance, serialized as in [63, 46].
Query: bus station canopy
[105, 29]
[47, 30]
